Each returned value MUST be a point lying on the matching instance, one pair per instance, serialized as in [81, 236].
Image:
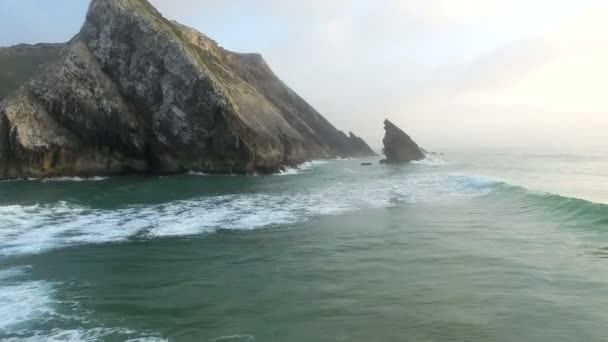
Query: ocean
[483, 246]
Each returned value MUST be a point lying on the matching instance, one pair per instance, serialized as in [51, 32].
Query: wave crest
[38, 228]
[565, 208]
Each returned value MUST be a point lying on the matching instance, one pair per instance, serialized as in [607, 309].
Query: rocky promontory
[398, 146]
[133, 92]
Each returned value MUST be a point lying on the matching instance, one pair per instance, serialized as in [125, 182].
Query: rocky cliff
[399, 147]
[135, 92]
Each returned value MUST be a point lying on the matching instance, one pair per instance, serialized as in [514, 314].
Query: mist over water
[477, 247]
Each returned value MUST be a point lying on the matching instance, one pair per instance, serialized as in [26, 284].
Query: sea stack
[398, 146]
[136, 93]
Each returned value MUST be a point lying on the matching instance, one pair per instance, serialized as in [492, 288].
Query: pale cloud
[588, 27]
[548, 90]
[563, 70]
[443, 12]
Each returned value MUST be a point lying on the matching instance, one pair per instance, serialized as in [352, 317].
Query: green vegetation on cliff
[20, 63]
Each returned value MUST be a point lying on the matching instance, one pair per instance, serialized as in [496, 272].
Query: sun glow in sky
[466, 73]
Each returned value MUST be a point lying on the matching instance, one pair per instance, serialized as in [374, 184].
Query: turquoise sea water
[462, 247]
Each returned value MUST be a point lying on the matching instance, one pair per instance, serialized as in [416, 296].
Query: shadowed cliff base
[135, 93]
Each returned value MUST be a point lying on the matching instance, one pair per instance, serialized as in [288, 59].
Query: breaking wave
[290, 171]
[26, 303]
[22, 301]
[61, 179]
[566, 209]
[86, 335]
[30, 229]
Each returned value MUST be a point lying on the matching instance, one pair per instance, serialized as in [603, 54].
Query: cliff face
[399, 147]
[134, 92]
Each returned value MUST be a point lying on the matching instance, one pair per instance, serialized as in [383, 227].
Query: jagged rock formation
[398, 146]
[21, 62]
[134, 92]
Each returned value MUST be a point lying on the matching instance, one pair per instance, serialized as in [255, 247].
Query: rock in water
[398, 146]
[135, 92]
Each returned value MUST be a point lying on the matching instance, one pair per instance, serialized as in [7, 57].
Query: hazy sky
[466, 73]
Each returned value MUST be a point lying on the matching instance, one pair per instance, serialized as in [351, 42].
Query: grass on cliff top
[18, 68]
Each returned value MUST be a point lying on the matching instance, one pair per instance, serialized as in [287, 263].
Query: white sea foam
[26, 303]
[194, 173]
[75, 179]
[38, 228]
[22, 301]
[87, 335]
[481, 182]
[290, 171]
[313, 163]
[430, 160]
[60, 179]
[234, 338]
[147, 339]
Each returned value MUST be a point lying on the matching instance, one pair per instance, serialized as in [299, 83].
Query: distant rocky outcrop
[135, 92]
[398, 146]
